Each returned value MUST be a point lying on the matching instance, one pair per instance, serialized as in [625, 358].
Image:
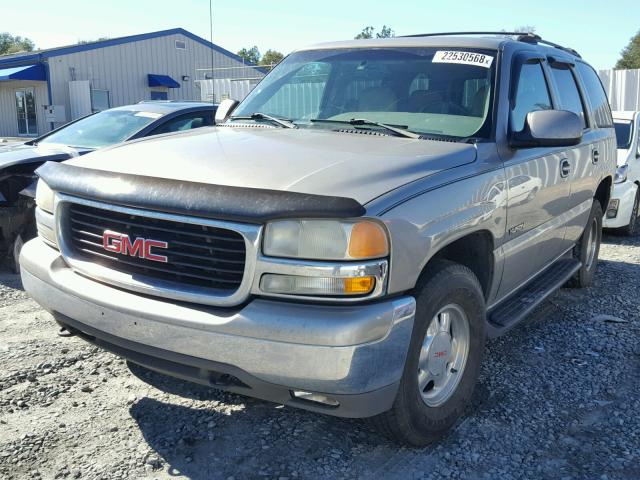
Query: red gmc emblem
[440, 354]
[140, 247]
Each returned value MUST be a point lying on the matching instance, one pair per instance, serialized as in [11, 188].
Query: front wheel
[443, 362]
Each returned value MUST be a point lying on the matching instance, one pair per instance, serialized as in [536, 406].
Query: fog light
[298, 285]
[612, 209]
[315, 398]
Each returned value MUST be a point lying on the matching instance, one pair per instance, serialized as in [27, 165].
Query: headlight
[44, 197]
[621, 174]
[326, 239]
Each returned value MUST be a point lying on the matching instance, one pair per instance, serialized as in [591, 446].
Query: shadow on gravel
[616, 238]
[263, 440]
[10, 280]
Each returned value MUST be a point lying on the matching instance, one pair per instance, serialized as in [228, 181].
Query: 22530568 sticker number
[463, 58]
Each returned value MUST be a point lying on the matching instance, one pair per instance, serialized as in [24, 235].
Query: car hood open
[354, 165]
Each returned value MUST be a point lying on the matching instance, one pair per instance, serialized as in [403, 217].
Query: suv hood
[355, 165]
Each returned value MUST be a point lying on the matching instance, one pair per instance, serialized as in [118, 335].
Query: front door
[26, 111]
[537, 190]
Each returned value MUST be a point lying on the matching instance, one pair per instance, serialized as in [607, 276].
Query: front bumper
[625, 193]
[354, 354]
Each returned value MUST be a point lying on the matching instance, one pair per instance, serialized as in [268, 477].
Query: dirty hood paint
[358, 166]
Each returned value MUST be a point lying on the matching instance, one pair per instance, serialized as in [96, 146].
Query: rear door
[537, 189]
[599, 150]
[579, 160]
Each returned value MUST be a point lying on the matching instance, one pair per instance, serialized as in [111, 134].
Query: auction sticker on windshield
[464, 58]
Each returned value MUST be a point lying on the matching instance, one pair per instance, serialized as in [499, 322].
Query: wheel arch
[603, 192]
[473, 250]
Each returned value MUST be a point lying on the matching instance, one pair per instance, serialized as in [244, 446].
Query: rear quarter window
[597, 96]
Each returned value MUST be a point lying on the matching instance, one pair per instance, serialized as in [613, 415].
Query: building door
[26, 110]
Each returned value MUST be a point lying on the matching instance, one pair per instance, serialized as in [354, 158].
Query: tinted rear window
[597, 95]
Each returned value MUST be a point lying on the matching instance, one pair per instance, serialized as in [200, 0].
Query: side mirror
[225, 109]
[549, 128]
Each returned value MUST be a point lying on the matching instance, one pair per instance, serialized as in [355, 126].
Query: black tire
[584, 277]
[632, 229]
[410, 421]
[28, 232]
[14, 254]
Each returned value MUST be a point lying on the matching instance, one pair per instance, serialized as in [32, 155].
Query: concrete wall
[8, 114]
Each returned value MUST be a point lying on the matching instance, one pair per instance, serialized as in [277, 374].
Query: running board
[513, 310]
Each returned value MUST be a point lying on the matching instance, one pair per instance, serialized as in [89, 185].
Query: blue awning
[162, 81]
[27, 72]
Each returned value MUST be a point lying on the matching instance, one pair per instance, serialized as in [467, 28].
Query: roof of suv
[488, 41]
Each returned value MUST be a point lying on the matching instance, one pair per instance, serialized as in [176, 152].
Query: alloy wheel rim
[443, 356]
[592, 243]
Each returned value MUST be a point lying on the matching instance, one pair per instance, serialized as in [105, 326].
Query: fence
[623, 88]
[228, 82]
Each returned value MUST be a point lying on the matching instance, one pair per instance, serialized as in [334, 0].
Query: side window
[532, 93]
[188, 121]
[569, 96]
[597, 95]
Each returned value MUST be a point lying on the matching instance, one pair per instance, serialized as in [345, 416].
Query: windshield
[623, 133]
[425, 90]
[102, 129]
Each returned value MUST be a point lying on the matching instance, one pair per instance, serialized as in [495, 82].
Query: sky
[597, 29]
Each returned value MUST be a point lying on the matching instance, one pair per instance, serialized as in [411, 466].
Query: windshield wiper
[283, 122]
[403, 132]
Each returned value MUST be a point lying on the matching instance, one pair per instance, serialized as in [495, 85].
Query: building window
[158, 95]
[100, 100]
[181, 45]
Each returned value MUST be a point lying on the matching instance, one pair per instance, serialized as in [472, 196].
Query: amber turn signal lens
[368, 240]
[358, 285]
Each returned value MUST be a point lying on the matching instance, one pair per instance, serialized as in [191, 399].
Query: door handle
[565, 168]
[595, 155]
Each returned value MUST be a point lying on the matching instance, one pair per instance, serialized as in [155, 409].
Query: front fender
[427, 222]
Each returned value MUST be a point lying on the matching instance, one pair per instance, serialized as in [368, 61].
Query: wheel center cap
[439, 353]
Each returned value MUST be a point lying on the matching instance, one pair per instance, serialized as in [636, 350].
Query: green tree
[82, 42]
[630, 55]
[367, 32]
[10, 44]
[386, 32]
[251, 55]
[271, 57]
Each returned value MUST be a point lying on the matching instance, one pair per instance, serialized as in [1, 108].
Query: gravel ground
[558, 399]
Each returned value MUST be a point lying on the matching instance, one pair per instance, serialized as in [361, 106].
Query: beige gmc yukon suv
[350, 235]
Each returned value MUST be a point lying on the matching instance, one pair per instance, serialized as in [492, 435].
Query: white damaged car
[623, 208]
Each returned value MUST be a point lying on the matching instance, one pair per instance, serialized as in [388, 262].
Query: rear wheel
[588, 248]
[444, 357]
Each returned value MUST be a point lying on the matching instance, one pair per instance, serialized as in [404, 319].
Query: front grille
[200, 255]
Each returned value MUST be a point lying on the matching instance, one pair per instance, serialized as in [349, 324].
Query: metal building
[45, 89]
[623, 88]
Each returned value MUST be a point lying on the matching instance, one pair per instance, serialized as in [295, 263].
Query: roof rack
[526, 37]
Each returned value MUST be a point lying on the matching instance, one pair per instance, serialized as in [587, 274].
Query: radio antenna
[213, 83]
